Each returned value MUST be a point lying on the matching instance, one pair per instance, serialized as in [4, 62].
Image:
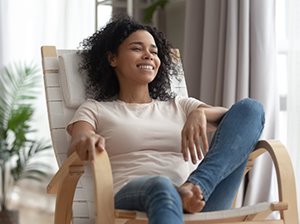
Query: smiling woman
[148, 132]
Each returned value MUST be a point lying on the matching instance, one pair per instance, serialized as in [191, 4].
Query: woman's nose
[147, 55]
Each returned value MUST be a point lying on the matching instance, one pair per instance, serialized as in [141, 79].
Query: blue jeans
[218, 175]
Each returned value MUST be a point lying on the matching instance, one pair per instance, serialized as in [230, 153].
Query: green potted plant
[19, 87]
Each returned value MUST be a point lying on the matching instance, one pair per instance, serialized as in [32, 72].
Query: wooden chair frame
[66, 179]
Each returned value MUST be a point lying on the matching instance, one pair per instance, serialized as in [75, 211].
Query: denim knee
[251, 109]
[160, 182]
[161, 189]
[160, 185]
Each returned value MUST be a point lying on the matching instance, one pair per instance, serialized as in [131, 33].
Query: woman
[151, 135]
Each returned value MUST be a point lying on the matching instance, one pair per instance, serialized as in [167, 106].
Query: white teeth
[147, 67]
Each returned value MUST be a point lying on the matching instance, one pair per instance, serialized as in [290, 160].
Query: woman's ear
[112, 59]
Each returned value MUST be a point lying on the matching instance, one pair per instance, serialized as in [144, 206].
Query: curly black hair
[102, 83]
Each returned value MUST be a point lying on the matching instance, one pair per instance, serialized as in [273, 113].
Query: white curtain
[293, 94]
[229, 54]
[26, 25]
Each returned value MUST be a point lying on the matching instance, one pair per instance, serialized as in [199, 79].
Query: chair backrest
[65, 91]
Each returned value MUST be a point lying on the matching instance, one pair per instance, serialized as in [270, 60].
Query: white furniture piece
[84, 190]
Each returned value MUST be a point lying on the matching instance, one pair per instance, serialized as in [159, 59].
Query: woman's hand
[193, 133]
[199, 122]
[85, 141]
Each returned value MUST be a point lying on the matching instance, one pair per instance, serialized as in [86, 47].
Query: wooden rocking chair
[84, 190]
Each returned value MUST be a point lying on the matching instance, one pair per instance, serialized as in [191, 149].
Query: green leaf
[26, 165]
[19, 86]
[19, 124]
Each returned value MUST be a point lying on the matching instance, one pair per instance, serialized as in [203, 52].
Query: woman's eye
[136, 49]
[154, 52]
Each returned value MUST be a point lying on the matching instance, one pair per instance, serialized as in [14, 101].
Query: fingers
[191, 145]
[184, 147]
[205, 142]
[198, 147]
[100, 144]
[90, 152]
[87, 147]
[194, 137]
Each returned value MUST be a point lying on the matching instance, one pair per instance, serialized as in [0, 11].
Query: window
[103, 13]
[106, 8]
[282, 63]
[288, 68]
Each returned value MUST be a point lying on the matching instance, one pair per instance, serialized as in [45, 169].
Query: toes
[192, 198]
[197, 206]
[197, 191]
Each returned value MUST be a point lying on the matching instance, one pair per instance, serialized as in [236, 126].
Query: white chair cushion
[72, 80]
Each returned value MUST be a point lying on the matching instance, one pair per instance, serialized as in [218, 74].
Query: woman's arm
[203, 119]
[213, 116]
[85, 141]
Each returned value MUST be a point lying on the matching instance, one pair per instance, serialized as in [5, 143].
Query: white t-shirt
[141, 139]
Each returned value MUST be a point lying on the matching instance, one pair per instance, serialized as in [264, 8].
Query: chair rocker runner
[85, 190]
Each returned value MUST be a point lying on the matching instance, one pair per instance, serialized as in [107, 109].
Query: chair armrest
[252, 157]
[71, 165]
[285, 177]
[104, 196]
[65, 181]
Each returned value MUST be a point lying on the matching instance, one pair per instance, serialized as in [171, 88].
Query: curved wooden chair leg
[63, 184]
[285, 178]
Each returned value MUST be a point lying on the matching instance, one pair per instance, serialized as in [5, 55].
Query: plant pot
[9, 217]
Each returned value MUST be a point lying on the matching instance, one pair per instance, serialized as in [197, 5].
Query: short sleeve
[188, 104]
[86, 112]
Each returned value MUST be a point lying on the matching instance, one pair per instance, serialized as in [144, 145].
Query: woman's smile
[145, 67]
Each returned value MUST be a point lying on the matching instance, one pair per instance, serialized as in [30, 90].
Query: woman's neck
[132, 96]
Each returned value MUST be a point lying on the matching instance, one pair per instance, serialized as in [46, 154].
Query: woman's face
[136, 62]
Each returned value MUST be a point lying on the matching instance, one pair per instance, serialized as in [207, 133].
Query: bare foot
[192, 197]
